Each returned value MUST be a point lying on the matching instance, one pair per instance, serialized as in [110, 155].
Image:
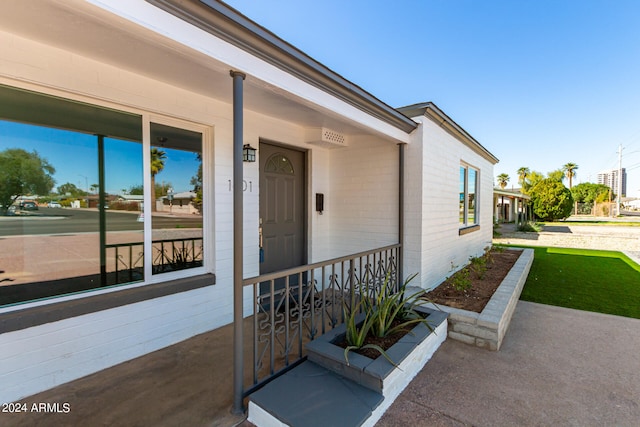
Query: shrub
[529, 227]
[124, 206]
[386, 313]
[479, 265]
[460, 280]
[496, 229]
[551, 200]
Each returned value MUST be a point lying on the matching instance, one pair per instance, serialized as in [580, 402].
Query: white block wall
[432, 240]
[363, 201]
[42, 357]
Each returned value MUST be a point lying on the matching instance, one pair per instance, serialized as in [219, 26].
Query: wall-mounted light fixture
[248, 153]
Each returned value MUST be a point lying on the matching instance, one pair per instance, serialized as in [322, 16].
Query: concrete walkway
[556, 367]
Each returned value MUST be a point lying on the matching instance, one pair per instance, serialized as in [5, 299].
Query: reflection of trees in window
[196, 181]
[23, 173]
[178, 246]
[68, 250]
[158, 158]
[77, 250]
[71, 190]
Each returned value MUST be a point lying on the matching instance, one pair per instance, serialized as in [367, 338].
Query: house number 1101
[245, 186]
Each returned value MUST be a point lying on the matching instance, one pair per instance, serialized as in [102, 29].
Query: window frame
[203, 276]
[464, 225]
[207, 191]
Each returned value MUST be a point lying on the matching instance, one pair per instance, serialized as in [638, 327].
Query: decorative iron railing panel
[176, 254]
[125, 261]
[292, 307]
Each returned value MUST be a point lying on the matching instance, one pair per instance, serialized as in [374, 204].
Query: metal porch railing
[126, 260]
[292, 307]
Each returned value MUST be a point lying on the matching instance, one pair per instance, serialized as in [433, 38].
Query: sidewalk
[556, 367]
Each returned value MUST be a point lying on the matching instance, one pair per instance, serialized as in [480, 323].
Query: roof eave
[230, 25]
[430, 110]
[507, 193]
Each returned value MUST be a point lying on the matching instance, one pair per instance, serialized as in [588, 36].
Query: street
[47, 221]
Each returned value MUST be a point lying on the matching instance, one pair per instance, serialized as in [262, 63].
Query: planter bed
[325, 391]
[487, 329]
[410, 354]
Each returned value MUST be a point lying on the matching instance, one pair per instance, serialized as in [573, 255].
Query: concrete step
[312, 396]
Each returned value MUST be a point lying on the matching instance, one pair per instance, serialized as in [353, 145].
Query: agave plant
[357, 332]
[390, 307]
[380, 314]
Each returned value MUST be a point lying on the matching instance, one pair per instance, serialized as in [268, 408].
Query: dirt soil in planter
[383, 342]
[476, 297]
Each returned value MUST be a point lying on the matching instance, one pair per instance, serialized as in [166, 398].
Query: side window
[472, 218]
[463, 196]
[468, 207]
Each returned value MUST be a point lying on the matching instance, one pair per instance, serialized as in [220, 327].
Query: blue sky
[539, 83]
[74, 156]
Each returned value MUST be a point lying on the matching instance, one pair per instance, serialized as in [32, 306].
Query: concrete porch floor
[556, 367]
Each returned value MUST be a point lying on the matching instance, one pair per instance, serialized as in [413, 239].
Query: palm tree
[523, 173]
[570, 171]
[503, 178]
[157, 165]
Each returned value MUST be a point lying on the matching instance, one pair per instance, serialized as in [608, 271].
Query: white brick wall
[363, 201]
[42, 357]
[432, 242]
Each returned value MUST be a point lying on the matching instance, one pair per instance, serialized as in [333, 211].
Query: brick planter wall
[487, 329]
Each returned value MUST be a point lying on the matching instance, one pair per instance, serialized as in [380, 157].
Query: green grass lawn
[600, 281]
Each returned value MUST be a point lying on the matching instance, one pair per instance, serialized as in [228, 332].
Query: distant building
[610, 179]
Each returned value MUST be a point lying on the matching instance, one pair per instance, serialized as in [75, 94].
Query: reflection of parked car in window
[28, 206]
[54, 205]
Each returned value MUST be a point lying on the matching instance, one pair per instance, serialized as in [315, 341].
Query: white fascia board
[148, 16]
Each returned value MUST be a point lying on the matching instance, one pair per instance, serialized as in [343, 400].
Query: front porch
[511, 206]
[189, 383]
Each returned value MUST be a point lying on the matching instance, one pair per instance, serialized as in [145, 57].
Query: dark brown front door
[282, 207]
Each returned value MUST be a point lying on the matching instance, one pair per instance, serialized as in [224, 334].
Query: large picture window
[72, 198]
[468, 208]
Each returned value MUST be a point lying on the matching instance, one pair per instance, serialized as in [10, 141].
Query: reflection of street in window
[56, 209]
[177, 152]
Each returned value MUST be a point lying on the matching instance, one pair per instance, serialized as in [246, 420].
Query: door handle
[260, 241]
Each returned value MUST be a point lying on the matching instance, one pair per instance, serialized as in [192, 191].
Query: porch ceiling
[85, 29]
